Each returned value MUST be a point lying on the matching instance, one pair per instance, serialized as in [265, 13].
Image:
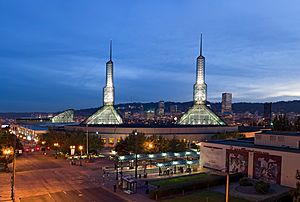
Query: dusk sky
[53, 53]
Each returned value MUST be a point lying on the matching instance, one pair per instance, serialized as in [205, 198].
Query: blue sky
[53, 53]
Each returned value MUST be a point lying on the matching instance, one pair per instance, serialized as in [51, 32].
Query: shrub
[262, 187]
[202, 183]
[245, 182]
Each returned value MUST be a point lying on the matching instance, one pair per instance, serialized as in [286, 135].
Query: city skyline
[58, 52]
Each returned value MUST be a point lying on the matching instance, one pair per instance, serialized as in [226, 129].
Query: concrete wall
[216, 159]
[277, 140]
[191, 134]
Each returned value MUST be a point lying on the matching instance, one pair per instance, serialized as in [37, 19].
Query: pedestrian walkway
[5, 186]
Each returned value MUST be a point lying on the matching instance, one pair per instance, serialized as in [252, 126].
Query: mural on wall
[212, 157]
[267, 167]
[237, 161]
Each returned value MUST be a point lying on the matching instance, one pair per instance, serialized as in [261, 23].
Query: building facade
[260, 159]
[112, 134]
[200, 113]
[226, 103]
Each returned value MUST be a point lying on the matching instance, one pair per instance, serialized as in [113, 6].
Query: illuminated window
[111, 140]
[103, 140]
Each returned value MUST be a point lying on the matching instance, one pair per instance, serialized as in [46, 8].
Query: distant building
[173, 109]
[150, 115]
[161, 108]
[226, 103]
[268, 113]
[66, 116]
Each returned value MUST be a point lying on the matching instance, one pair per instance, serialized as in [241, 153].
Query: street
[44, 178]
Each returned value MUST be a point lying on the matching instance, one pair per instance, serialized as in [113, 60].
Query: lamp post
[56, 145]
[227, 186]
[72, 148]
[80, 148]
[136, 159]
[87, 140]
[7, 152]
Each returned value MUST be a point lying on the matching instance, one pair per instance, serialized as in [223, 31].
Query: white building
[272, 157]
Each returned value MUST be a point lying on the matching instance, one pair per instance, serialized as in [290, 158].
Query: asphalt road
[83, 195]
[44, 178]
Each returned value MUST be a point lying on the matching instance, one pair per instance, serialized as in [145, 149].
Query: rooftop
[284, 133]
[250, 144]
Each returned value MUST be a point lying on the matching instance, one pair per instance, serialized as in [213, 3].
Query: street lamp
[7, 152]
[227, 184]
[80, 148]
[136, 159]
[72, 148]
[56, 145]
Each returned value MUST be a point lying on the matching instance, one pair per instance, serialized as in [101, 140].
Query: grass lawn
[178, 180]
[204, 196]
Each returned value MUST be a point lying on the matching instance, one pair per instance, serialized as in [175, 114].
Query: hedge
[205, 182]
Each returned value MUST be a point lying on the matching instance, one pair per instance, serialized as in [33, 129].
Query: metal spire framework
[107, 113]
[200, 114]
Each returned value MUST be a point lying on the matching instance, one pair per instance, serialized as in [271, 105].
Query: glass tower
[200, 114]
[107, 113]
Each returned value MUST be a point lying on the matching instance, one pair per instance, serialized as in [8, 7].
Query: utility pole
[227, 186]
[13, 176]
[136, 159]
[87, 141]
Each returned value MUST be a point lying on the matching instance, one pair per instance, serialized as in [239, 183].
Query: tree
[153, 144]
[281, 123]
[8, 140]
[176, 145]
[231, 135]
[131, 144]
[67, 138]
[297, 124]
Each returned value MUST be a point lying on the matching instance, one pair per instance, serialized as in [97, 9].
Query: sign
[72, 152]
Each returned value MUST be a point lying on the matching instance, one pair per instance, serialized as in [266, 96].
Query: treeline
[138, 142]
[62, 140]
[281, 123]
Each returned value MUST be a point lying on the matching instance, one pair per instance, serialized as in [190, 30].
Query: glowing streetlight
[136, 157]
[7, 151]
[56, 145]
[80, 148]
[72, 148]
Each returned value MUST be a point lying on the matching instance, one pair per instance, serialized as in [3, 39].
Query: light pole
[227, 186]
[56, 145]
[72, 148]
[136, 159]
[80, 148]
[87, 140]
[7, 152]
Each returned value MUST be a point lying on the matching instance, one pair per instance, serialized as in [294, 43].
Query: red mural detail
[237, 161]
[267, 167]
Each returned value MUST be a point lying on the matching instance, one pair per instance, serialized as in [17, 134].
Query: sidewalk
[5, 186]
[94, 172]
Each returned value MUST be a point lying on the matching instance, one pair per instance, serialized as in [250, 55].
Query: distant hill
[241, 107]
